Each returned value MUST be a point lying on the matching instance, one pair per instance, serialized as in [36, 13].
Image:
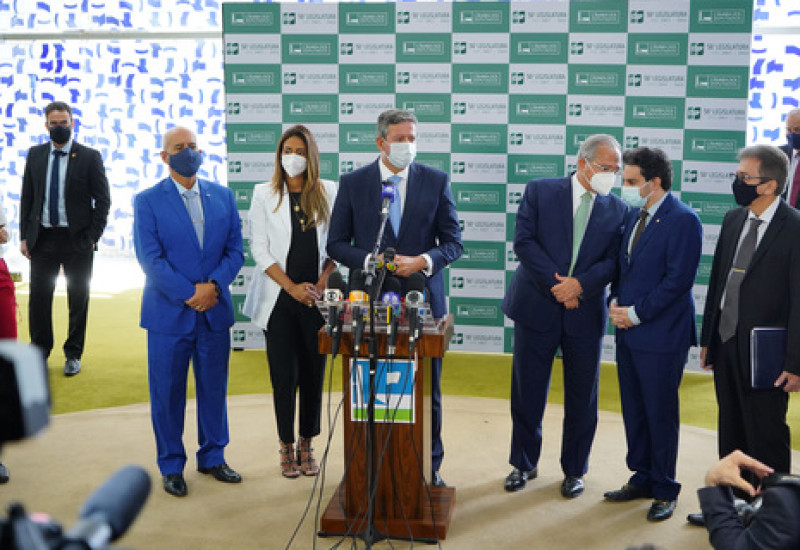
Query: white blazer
[270, 238]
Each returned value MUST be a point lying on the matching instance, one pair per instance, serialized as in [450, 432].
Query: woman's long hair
[313, 198]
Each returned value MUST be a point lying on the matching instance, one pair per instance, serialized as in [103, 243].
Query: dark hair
[653, 163]
[57, 106]
[393, 116]
[774, 163]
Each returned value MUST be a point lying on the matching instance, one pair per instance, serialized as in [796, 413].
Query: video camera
[24, 412]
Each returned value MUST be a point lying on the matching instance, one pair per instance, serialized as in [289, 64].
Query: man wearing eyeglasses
[63, 210]
[792, 150]
[567, 238]
[753, 283]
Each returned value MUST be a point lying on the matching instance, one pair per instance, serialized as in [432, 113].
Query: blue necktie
[394, 207]
[192, 198]
[53, 203]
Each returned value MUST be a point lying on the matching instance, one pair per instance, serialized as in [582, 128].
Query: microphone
[387, 198]
[333, 296]
[357, 298]
[391, 299]
[111, 509]
[415, 297]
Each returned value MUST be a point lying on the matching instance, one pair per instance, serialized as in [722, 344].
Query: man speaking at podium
[423, 227]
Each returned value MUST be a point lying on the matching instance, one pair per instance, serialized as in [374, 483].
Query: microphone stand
[371, 535]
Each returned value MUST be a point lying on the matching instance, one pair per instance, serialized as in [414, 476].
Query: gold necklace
[298, 213]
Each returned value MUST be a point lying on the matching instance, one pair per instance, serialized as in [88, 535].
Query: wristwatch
[217, 289]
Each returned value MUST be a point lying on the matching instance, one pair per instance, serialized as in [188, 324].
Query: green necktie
[579, 227]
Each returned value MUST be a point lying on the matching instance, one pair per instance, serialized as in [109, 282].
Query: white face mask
[602, 182]
[293, 164]
[402, 154]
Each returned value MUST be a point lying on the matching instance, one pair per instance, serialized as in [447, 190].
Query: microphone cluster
[350, 303]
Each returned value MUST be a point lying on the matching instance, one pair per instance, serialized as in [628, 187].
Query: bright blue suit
[173, 261]
[429, 225]
[657, 280]
[543, 244]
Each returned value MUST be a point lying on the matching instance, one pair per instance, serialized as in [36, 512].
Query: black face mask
[744, 194]
[60, 134]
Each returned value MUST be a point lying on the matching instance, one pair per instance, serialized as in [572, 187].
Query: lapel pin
[74, 155]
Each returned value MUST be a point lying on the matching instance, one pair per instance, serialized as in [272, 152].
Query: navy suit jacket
[543, 244]
[429, 223]
[657, 278]
[170, 255]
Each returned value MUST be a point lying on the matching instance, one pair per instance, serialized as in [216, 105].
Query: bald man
[189, 243]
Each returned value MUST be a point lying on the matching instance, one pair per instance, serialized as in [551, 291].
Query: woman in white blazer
[289, 226]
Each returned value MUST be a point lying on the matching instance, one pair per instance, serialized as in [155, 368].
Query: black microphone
[111, 509]
[391, 299]
[415, 297]
[357, 298]
[334, 296]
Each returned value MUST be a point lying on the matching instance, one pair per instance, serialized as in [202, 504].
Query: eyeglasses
[747, 178]
[608, 169]
[793, 130]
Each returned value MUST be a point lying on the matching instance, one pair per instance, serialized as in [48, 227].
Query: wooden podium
[405, 505]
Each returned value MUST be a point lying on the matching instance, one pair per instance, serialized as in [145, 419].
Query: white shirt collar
[385, 172]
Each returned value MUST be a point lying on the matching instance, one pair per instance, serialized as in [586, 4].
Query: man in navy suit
[427, 238]
[567, 239]
[62, 214]
[653, 311]
[189, 243]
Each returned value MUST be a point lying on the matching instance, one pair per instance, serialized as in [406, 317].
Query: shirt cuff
[428, 271]
[633, 317]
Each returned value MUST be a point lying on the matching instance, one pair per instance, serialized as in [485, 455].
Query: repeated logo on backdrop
[505, 92]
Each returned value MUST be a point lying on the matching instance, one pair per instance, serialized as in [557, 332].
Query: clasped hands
[307, 293]
[406, 265]
[204, 298]
[567, 291]
[618, 315]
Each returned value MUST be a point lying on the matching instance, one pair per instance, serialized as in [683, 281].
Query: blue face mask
[793, 140]
[186, 163]
[630, 195]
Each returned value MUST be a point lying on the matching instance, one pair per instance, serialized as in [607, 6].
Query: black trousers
[295, 366]
[55, 249]
[753, 421]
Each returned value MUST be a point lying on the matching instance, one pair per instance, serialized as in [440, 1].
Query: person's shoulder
[429, 171]
[681, 207]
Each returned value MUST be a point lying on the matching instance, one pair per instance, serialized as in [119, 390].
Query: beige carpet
[56, 472]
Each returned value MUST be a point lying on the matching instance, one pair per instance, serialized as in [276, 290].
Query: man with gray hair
[753, 284]
[423, 229]
[567, 239]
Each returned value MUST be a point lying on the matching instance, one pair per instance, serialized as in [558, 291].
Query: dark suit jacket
[657, 278]
[543, 244]
[170, 255]
[774, 527]
[768, 295]
[429, 223]
[86, 195]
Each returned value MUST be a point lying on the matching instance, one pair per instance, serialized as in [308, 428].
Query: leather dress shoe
[696, 519]
[222, 472]
[517, 479]
[661, 510]
[72, 367]
[175, 485]
[436, 480]
[626, 493]
[572, 486]
[4, 475]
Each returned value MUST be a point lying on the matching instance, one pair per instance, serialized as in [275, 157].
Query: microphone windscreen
[118, 501]
[336, 281]
[387, 192]
[392, 284]
[415, 281]
[357, 280]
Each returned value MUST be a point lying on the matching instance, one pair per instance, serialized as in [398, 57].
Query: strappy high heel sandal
[288, 464]
[305, 457]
